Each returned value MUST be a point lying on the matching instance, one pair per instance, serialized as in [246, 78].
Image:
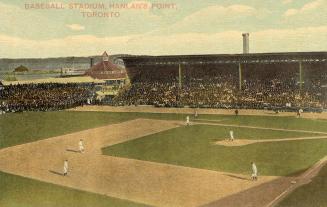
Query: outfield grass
[16, 191]
[193, 147]
[271, 122]
[26, 127]
[312, 194]
[19, 128]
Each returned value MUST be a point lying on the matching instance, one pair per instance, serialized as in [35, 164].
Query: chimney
[246, 47]
[91, 62]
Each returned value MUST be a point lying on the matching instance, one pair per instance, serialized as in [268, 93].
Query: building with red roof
[114, 78]
[106, 70]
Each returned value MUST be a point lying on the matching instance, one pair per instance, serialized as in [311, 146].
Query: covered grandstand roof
[84, 79]
[227, 58]
[106, 69]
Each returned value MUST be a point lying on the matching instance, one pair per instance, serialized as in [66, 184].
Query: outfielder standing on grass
[254, 175]
[81, 146]
[65, 167]
[187, 120]
[231, 135]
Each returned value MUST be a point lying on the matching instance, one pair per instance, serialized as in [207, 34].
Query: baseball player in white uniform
[196, 113]
[254, 175]
[65, 167]
[188, 120]
[81, 146]
[299, 112]
[231, 135]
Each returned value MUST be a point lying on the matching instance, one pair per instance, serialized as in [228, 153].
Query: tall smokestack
[246, 46]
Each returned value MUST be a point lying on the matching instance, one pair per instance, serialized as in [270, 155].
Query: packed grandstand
[286, 81]
[252, 81]
[219, 88]
[44, 96]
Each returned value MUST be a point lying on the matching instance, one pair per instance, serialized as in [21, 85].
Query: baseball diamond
[199, 130]
[154, 159]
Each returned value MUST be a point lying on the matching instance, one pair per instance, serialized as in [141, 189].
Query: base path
[145, 182]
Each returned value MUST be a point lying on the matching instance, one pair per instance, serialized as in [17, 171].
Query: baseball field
[149, 157]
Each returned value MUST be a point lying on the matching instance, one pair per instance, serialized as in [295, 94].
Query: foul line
[306, 176]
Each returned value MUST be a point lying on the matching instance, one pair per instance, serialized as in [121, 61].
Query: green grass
[312, 194]
[222, 132]
[270, 122]
[19, 128]
[17, 191]
[192, 146]
[26, 127]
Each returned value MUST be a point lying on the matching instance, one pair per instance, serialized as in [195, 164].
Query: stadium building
[114, 77]
[303, 64]
[290, 80]
[278, 81]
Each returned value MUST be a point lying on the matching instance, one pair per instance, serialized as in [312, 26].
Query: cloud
[272, 40]
[18, 21]
[309, 7]
[75, 27]
[296, 40]
[287, 1]
[214, 18]
[291, 12]
[221, 11]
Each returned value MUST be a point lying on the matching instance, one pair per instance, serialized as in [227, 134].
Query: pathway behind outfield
[152, 109]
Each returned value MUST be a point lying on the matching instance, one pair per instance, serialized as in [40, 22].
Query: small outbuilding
[21, 69]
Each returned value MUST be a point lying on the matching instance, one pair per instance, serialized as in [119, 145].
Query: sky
[146, 28]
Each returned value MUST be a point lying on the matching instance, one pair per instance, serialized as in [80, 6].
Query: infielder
[65, 167]
[188, 120]
[231, 135]
[299, 112]
[81, 146]
[254, 175]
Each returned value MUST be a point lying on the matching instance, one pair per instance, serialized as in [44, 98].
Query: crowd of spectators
[44, 96]
[207, 87]
[219, 88]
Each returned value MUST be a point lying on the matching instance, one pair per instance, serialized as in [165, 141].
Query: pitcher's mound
[236, 142]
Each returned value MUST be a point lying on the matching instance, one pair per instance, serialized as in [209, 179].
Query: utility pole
[240, 76]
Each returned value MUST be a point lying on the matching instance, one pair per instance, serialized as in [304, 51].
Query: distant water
[31, 76]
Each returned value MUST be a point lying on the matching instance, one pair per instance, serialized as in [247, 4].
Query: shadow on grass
[72, 150]
[238, 177]
[218, 139]
[56, 173]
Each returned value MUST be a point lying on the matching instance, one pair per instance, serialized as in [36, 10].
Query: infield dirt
[145, 182]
